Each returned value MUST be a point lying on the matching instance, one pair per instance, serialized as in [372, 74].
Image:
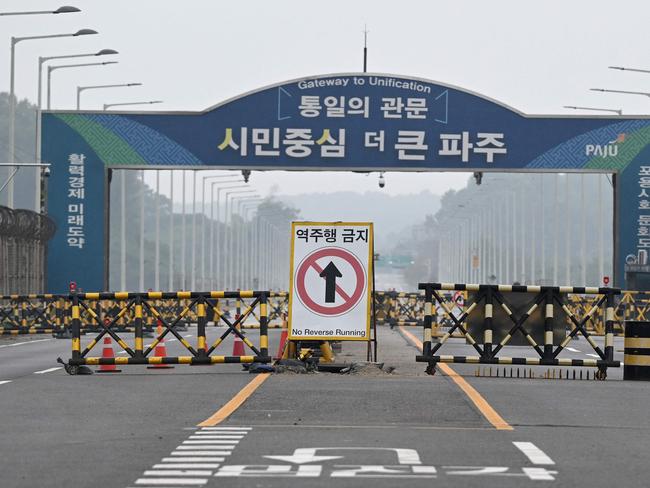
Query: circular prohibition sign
[350, 300]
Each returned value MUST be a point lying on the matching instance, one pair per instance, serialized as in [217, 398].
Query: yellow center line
[235, 402]
[477, 399]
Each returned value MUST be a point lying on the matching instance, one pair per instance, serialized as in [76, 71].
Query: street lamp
[625, 92]
[216, 272]
[95, 87]
[203, 217]
[12, 98]
[636, 70]
[238, 242]
[60, 10]
[611, 110]
[229, 238]
[65, 66]
[150, 102]
[39, 106]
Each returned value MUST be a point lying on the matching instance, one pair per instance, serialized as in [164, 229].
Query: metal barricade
[542, 296]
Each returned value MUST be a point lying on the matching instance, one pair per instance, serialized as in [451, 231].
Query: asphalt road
[139, 428]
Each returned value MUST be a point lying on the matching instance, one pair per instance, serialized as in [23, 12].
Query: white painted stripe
[186, 466]
[171, 340]
[226, 428]
[228, 438]
[211, 441]
[48, 370]
[201, 453]
[572, 349]
[209, 446]
[171, 481]
[178, 472]
[122, 352]
[3, 382]
[534, 453]
[593, 355]
[210, 435]
[202, 459]
[222, 432]
[187, 335]
[23, 343]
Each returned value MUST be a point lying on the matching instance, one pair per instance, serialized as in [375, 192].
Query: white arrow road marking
[534, 453]
[308, 454]
[48, 370]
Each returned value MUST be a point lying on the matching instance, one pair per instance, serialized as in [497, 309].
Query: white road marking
[187, 335]
[593, 355]
[215, 435]
[209, 442]
[49, 370]
[122, 352]
[204, 447]
[534, 453]
[186, 466]
[572, 349]
[23, 343]
[171, 340]
[193, 460]
[226, 428]
[178, 472]
[171, 481]
[201, 453]
[3, 382]
[539, 474]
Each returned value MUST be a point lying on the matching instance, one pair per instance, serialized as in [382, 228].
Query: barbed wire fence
[23, 240]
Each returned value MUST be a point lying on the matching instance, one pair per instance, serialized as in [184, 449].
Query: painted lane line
[186, 466]
[171, 481]
[201, 453]
[211, 434]
[178, 472]
[235, 402]
[171, 340]
[23, 343]
[122, 352]
[216, 447]
[48, 370]
[572, 349]
[477, 399]
[247, 429]
[187, 335]
[533, 453]
[593, 355]
[193, 459]
[4, 382]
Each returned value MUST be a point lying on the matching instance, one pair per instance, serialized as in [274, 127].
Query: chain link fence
[23, 239]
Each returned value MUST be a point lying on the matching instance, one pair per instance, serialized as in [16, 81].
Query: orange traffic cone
[283, 339]
[160, 351]
[238, 345]
[107, 352]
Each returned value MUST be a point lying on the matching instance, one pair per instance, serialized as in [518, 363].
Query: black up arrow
[330, 273]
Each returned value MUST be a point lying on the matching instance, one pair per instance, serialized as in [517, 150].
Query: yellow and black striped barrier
[546, 297]
[146, 302]
[636, 361]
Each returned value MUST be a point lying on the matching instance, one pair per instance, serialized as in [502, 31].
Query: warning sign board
[331, 281]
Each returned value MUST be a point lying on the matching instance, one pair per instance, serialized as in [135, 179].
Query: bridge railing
[485, 298]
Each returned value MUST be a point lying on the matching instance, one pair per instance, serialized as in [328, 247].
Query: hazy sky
[533, 55]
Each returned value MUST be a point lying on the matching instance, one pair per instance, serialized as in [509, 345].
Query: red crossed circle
[349, 300]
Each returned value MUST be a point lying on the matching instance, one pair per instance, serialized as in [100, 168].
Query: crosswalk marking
[194, 461]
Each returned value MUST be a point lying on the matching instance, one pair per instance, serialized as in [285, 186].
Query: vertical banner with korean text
[331, 284]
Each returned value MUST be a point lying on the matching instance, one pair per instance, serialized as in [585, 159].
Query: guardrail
[546, 296]
[144, 302]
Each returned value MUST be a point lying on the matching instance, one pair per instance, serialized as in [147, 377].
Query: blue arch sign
[352, 121]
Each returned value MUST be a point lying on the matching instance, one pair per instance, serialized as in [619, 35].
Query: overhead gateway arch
[349, 121]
